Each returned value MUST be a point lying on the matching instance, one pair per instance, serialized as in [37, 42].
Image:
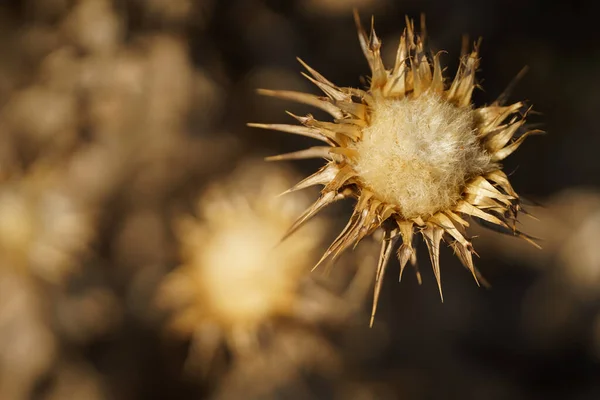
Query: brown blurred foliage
[116, 117]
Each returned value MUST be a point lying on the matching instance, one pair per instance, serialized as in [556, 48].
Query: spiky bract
[413, 152]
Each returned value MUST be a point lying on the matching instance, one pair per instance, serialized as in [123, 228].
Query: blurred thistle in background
[122, 125]
[244, 291]
[237, 274]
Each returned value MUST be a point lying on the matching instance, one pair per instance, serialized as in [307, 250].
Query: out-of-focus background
[137, 218]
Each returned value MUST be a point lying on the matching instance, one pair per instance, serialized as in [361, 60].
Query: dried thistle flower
[414, 152]
[235, 277]
[44, 227]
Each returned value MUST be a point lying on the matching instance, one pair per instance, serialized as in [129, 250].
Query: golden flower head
[236, 276]
[413, 151]
[44, 225]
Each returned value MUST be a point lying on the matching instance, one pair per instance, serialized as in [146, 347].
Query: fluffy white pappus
[418, 153]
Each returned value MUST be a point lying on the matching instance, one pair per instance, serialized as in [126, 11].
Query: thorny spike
[503, 98]
[387, 244]
[485, 203]
[410, 31]
[406, 252]
[340, 179]
[413, 261]
[295, 129]
[341, 238]
[433, 235]
[313, 152]
[479, 186]
[529, 239]
[437, 81]
[374, 42]
[315, 74]
[501, 180]
[493, 116]
[466, 258]
[524, 211]
[495, 142]
[462, 87]
[417, 84]
[395, 86]
[400, 56]
[370, 221]
[446, 224]
[457, 218]
[423, 68]
[324, 128]
[362, 36]
[323, 201]
[329, 129]
[370, 47]
[321, 177]
[364, 224]
[508, 150]
[304, 98]
[469, 209]
[331, 91]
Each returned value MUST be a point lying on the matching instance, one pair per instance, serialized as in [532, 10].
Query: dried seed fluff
[419, 153]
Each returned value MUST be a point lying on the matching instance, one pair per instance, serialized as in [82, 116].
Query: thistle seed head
[418, 154]
[412, 151]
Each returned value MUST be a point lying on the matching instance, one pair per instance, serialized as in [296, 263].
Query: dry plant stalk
[413, 151]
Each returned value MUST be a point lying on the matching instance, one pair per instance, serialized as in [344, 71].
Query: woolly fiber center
[417, 154]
